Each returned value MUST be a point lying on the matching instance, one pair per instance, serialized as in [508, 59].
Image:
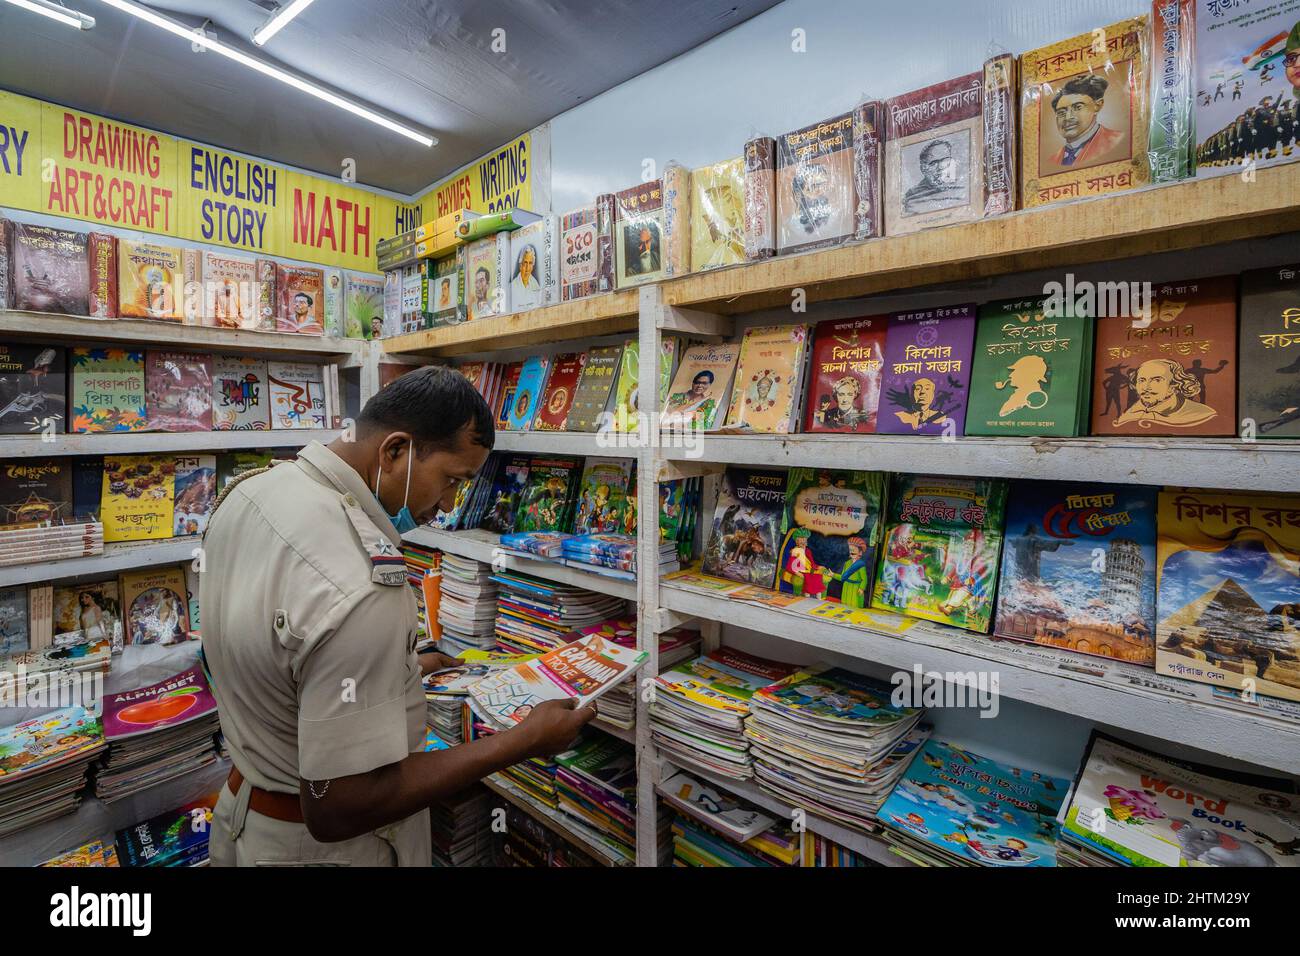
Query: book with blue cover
[507, 486]
[528, 393]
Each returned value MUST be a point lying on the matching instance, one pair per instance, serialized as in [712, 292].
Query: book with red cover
[844, 379]
[557, 399]
[178, 391]
[505, 401]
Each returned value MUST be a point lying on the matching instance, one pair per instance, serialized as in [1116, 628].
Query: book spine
[868, 155]
[333, 403]
[760, 198]
[1000, 134]
[102, 254]
[192, 266]
[1171, 143]
[677, 220]
[267, 294]
[606, 206]
[502, 255]
[40, 606]
[549, 267]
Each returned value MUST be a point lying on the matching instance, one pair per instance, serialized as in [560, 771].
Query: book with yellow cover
[769, 380]
[150, 281]
[718, 215]
[138, 497]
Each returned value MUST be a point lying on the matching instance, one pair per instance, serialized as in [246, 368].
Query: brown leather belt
[278, 806]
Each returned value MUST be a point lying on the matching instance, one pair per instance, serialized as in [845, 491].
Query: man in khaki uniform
[309, 632]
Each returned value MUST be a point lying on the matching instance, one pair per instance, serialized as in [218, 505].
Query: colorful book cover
[748, 526]
[94, 854]
[301, 291]
[591, 400]
[1141, 809]
[561, 389]
[547, 500]
[939, 558]
[49, 270]
[31, 745]
[363, 315]
[177, 836]
[602, 496]
[627, 391]
[487, 276]
[528, 393]
[178, 391]
[927, 371]
[638, 234]
[240, 396]
[139, 497]
[508, 486]
[718, 215]
[1079, 568]
[587, 249]
[177, 700]
[760, 198]
[832, 521]
[1084, 115]
[534, 273]
[1029, 375]
[35, 491]
[297, 394]
[723, 681]
[1270, 352]
[101, 256]
[701, 388]
[506, 399]
[1177, 374]
[33, 389]
[1227, 590]
[816, 193]
[767, 387]
[232, 295]
[983, 812]
[156, 609]
[196, 493]
[848, 356]
[546, 544]
[446, 279]
[88, 613]
[150, 281]
[107, 392]
[15, 634]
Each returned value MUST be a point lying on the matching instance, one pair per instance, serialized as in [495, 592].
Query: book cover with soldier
[927, 371]
[748, 526]
[49, 269]
[848, 357]
[150, 281]
[1270, 352]
[561, 388]
[595, 387]
[1084, 115]
[639, 234]
[816, 191]
[1172, 143]
[718, 215]
[832, 521]
[1177, 374]
[33, 389]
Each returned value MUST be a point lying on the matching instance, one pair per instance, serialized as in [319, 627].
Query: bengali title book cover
[1079, 568]
[487, 276]
[1031, 372]
[1084, 115]
[301, 291]
[87, 614]
[138, 497]
[528, 392]
[268, 296]
[957, 804]
[239, 394]
[107, 392]
[769, 378]
[363, 311]
[87, 488]
[297, 391]
[1246, 91]
[1270, 351]
[1171, 145]
[196, 493]
[546, 503]
[587, 249]
[1228, 590]
[698, 396]
[508, 484]
[934, 155]
[446, 290]
[33, 389]
[509, 385]
[603, 496]
[848, 357]
[748, 525]
[169, 839]
[1001, 134]
[49, 270]
[718, 215]
[591, 401]
[177, 700]
[232, 295]
[627, 389]
[150, 281]
[14, 633]
[101, 257]
[35, 491]
[760, 198]
[561, 388]
[638, 234]
[832, 521]
[1177, 374]
[869, 122]
[178, 391]
[156, 606]
[816, 193]
[534, 272]
[333, 320]
[939, 559]
[927, 371]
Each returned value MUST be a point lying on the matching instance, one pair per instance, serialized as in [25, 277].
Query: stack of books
[157, 733]
[535, 616]
[830, 741]
[536, 777]
[43, 763]
[445, 690]
[424, 575]
[699, 709]
[176, 838]
[462, 828]
[714, 828]
[618, 707]
[31, 545]
[467, 609]
[54, 670]
[94, 853]
[595, 783]
[526, 843]
[613, 555]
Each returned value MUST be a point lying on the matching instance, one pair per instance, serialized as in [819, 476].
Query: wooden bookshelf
[148, 443]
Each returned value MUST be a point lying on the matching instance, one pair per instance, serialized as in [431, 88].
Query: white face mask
[403, 521]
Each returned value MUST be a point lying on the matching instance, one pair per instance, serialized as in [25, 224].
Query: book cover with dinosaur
[748, 525]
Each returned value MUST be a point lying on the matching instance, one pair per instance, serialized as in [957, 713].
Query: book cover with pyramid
[1228, 590]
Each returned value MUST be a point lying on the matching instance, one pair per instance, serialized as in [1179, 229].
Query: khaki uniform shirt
[309, 632]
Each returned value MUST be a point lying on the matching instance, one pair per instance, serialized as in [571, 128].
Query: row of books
[177, 838]
[46, 389]
[99, 275]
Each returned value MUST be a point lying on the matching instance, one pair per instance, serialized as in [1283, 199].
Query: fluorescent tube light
[55, 12]
[278, 20]
[266, 69]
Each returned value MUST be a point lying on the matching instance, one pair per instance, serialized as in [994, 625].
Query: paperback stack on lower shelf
[177, 838]
[618, 707]
[535, 615]
[595, 783]
[43, 764]
[25, 545]
[467, 610]
[713, 828]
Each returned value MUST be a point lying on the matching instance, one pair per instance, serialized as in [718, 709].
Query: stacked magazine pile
[699, 709]
[830, 741]
[424, 575]
[618, 707]
[714, 828]
[462, 829]
[445, 690]
[596, 785]
[1130, 807]
[614, 555]
[43, 765]
[176, 838]
[51, 668]
[535, 777]
[535, 616]
[467, 610]
[157, 733]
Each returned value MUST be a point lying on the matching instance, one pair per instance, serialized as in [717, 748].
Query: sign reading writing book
[513, 177]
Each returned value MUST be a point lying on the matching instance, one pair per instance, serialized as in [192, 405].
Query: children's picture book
[178, 391]
[848, 357]
[595, 386]
[546, 503]
[88, 613]
[138, 497]
[528, 393]
[716, 808]
[15, 633]
[816, 193]
[49, 270]
[232, 293]
[769, 380]
[1270, 352]
[176, 838]
[602, 496]
[297, 391]
[1135, 808]
[508, 486]
[748, 526]
[240, 394]
[301, 290]
[832, 534]
[1079, 568]
[150, 281]
[33, 389]
[701, 389]
[942, 541]
[561, 389]
[177, 700]
[639, 234]
[505, 402]
[156, 610]
[30, 746]
[718, 215]
[957, 806]
[196, 493]
[35, 491]
[107, 393]
[1228, 589]
[927, 372]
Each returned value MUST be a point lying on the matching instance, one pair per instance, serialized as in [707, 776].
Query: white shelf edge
[116, 557]
[139, 443]
[560, 443]
[554, 820]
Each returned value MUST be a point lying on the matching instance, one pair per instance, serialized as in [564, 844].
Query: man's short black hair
[1090, 85]
[433, 404]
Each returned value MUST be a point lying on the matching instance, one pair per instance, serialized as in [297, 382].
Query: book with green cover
[603, 496]
[833, 521]
[107, 390]
[547, 501]
[1031, 372]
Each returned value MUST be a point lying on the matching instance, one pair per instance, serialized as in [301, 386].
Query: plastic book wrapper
[718, 215]
[701, 388]
[639, 248]
[534, 269]
[677, 219]
[301, 290]
[231, 294]
[487, 276]
[1001, 134]
[268, 301]
[101, 251]
[586, 250]
[1171, 145]
[760, 198]
[1084, 115]
[869, 123]
[845, 371]
[816, 193]
[48, 269]
[333, 308]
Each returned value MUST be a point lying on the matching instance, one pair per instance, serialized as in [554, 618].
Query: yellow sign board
[500, 181]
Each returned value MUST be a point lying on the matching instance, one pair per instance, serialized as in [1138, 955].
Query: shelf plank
[558, 822]
[601, 444]
[1155, 219]
[142, 443]
[116, 557]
